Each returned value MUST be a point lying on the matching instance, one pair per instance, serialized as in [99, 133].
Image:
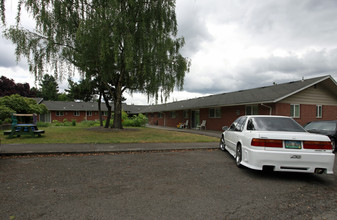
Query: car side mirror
[225, 128]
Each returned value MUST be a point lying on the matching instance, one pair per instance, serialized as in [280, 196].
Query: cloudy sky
[238, 44]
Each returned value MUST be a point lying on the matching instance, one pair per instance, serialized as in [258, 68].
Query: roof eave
[303, 88]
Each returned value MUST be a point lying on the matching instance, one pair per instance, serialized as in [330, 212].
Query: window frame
[76, 113]
[216, 113]
[293, 110]
[186, 114]
[253, 109]
[319, 111]
[89, 113]
[59, 113]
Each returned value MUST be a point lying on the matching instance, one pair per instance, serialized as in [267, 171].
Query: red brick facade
[229, 114]
[78, 116]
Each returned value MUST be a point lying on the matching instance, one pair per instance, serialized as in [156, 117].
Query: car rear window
[321, 126]
[274, 124]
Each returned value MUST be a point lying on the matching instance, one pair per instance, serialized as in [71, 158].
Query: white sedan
[277, 143]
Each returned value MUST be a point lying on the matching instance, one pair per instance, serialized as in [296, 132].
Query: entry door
[195, 118]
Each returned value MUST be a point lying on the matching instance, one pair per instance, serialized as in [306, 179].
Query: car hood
[303, 136]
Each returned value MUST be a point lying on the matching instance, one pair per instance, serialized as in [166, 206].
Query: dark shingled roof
[267, 94]
[134, 109]
[88, 106]
[73, 106]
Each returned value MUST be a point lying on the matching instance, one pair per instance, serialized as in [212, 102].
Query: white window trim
[319, 111]
[77, 113]
[299, 110]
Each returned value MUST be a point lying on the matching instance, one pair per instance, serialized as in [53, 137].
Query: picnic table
[23, 129]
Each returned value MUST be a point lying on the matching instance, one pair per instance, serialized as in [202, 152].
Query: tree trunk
[118, 107]
[107, 123]
[100, 110]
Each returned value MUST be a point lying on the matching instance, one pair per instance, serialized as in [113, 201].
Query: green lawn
[70, 134]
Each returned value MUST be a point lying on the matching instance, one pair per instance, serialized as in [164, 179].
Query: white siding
[316, 95]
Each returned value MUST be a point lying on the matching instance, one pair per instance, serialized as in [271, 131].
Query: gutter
[270, 108]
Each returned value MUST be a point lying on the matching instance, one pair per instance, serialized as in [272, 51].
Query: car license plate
[293, 144]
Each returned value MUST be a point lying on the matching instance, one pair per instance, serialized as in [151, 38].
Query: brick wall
[308, 112]
[229, 114]
[69, 115]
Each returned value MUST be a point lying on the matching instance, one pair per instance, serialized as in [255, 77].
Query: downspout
[270, 108]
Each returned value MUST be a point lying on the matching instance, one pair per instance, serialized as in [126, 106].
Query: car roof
[323, 121]
[267, 116]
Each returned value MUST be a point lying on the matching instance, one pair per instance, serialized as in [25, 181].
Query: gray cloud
[292, 25]
[192, 26]
[265, 71]
[7, 58]
[306, 27]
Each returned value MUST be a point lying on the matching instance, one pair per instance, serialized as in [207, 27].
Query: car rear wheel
[333, 142]
[222, 143]
[238, 156]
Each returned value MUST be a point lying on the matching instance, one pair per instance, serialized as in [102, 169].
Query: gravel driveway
[201, 184]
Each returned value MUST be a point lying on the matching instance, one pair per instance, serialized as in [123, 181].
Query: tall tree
[124, 44]
[49, 88]
[9, 87]
[83, 90]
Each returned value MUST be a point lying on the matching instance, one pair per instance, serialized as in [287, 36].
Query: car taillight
[320, 145]
[266, 143]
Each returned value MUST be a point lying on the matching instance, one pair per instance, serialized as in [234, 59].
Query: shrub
[43, 124]
[73, 122]
[89, 123]
[5, 112]
[135, 121]
[57, 123]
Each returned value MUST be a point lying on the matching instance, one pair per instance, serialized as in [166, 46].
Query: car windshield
[274, 124]
[321, 126]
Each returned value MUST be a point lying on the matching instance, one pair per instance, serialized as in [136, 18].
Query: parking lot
[184, 184]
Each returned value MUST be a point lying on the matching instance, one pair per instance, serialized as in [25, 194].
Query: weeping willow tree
[125, 45]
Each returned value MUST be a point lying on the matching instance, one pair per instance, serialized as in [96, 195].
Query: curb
[73, 149]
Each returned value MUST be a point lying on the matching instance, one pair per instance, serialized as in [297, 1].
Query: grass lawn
[77, 134]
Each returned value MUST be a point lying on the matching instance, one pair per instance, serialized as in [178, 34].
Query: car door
[233, 133]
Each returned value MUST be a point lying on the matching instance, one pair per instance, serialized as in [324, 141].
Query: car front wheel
[222, 144]
[238, 156]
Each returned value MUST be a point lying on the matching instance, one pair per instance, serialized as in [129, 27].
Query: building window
[252, 110]
[319, 111]
[160, 115]
[185, 114]
[89, 113]
[173, 114]
[76, 113]
[214, 113]
[59, 113]
[295, 110]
